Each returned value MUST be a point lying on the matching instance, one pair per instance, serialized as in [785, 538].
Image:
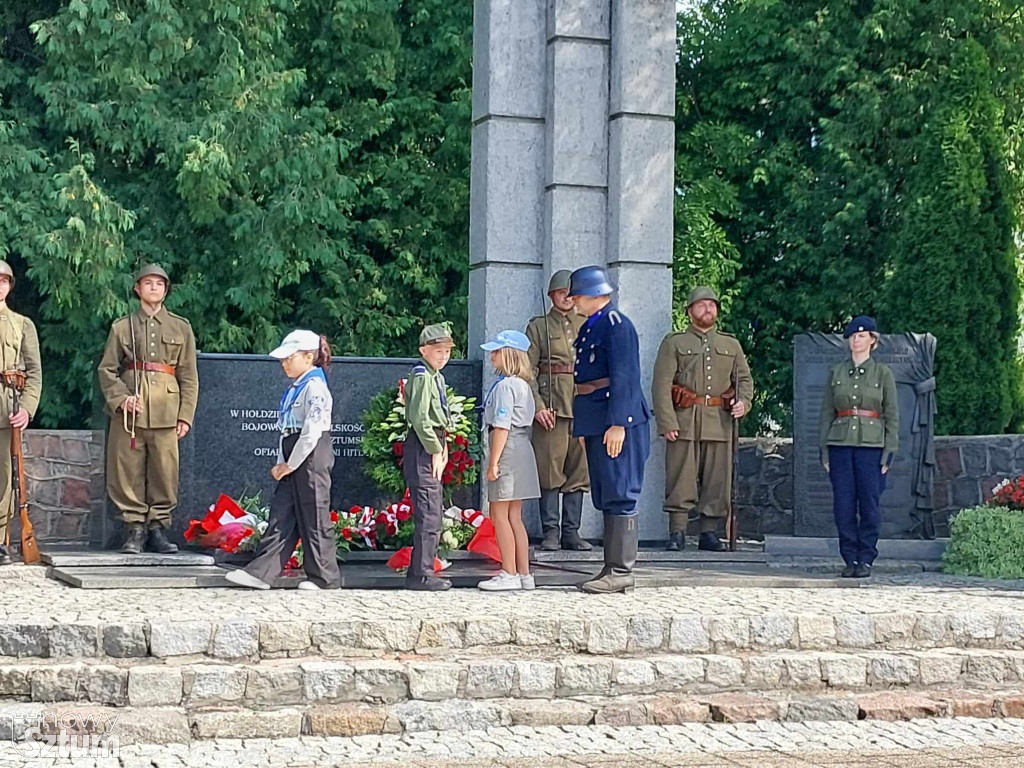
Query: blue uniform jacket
[608, 347]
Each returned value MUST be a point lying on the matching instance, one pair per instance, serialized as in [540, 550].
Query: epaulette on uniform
[179, 317]
[419, 369]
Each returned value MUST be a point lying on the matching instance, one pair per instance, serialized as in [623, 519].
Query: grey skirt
[517, 469]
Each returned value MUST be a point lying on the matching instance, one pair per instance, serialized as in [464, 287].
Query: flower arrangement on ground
[1009, 494]
[384, 441]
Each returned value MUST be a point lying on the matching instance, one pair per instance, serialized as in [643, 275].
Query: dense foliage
[986, 541]
[288, 161]
[839, 158]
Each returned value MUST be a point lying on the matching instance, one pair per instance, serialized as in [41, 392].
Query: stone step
[888, 549]
[157, 725]
[77, 558]
[682, 633]
[311, 681]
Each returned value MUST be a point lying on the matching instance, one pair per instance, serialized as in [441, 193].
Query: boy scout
[702, 385]
[561, 460]
[19, 351]
[426, 454]
[149, 382]
[611, 415]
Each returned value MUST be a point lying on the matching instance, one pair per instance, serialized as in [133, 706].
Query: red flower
[382, 519]
[461, 441]
[293, 563]
[402, 514]
[334, 516]
[194, 530]
[347, 534]
[356, 510]
[391, 528]
[398, 448]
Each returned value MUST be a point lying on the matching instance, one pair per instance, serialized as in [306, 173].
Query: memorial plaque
[907, 500]
[233, 442]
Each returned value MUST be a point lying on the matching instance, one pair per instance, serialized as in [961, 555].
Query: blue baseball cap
[859, 324]
[513, 339]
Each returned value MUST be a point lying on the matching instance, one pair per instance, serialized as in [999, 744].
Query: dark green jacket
[870, 387]
[426, 409]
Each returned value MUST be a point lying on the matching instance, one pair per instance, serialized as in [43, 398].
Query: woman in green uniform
[859, 431]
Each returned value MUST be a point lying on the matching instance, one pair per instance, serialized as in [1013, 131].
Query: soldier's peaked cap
[152, 269]
[590, 281]
[701, 293]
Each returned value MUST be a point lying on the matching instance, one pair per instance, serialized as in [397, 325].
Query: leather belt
[683, 397]
[589, 387]
[556, 369]
[154, 367]
[858, 412]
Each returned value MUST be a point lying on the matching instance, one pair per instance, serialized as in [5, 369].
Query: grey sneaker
[307, 586]
[529, 583]
[243, 579]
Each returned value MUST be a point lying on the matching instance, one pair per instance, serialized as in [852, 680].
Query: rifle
[731, 525]
[29, 546]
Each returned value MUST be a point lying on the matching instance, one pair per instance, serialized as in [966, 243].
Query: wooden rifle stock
[29, 546]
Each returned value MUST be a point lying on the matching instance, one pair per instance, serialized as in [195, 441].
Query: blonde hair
[514, 362]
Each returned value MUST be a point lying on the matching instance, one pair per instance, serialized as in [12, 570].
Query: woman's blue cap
[859, 325]
[513, 339]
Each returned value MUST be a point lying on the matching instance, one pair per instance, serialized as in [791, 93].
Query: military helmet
[559, 281]
[590, 281]
[702, 293]
[5, 269]
[152, 269]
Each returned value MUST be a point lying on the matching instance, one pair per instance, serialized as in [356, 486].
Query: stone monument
[233, 442]
[573, 164]
[907, 501]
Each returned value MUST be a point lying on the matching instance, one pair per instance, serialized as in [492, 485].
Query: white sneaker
[244, 579]
[503, 582]
[529, 583]
[307, 586]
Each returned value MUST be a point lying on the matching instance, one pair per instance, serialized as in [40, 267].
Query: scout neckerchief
[501, 377]
[292, 393]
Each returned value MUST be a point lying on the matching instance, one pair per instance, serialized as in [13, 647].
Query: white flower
[453, 513]
[261, 526]
[449, 540]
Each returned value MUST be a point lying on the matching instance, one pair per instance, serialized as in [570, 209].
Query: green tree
[844, 106]
[291, 162]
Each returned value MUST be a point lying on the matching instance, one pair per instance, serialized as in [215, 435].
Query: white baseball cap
[297, 341]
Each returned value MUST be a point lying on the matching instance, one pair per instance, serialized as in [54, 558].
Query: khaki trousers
[7, 492]
[698, 476]
[143, 482]
[561, 460]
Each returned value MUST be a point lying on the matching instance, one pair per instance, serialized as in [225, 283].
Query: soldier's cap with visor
[860, 324]
[590, 281]
[512, 339]
[297, 341]
[559, 281]
[702, 293]
[437, 333]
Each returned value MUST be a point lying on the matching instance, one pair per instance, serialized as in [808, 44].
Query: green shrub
[986, 541]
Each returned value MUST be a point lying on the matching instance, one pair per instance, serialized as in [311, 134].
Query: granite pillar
[573, 164]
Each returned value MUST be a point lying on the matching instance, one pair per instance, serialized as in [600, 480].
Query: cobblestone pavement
[27, 596]
[915, 744]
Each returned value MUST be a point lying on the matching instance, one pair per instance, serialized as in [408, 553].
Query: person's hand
[19, 419]
[885, 469]
[825, 465]
[492, 472]
[181, 428]
[133, 404]
[546, 419]
[438, 462]
[613, 440]
[280, 470]
[672, 435]
[739, 409]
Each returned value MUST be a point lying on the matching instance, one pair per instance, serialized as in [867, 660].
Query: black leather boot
[676, 542]
[848, 571]
[572, 517]
[709, 542]
[620, 545]
[862, 571]
[134, 540]
[5, 555]
[158, 541]
[549, 520]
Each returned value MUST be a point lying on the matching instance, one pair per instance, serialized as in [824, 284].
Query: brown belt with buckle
[683, 397]
[556, 369]
[858, 412]
[155, 367]
[589, 387]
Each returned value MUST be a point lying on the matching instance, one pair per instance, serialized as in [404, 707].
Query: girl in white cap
[512, 469]
[301, 504]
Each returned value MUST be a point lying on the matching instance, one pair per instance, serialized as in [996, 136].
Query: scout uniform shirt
[19, 351]
[426, 406]
[554, 392]
[708, 364]
[165, 339]
[868, 387]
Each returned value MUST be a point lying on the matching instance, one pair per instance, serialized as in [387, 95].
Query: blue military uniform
[608, 347]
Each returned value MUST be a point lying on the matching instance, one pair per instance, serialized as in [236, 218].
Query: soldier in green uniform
[150, 385]
[561, 458]
[702, 385]
[19, 351]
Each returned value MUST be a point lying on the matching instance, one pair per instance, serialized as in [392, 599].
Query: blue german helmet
[590, 281]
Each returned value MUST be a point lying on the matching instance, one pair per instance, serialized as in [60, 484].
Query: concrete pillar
[573, 164]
